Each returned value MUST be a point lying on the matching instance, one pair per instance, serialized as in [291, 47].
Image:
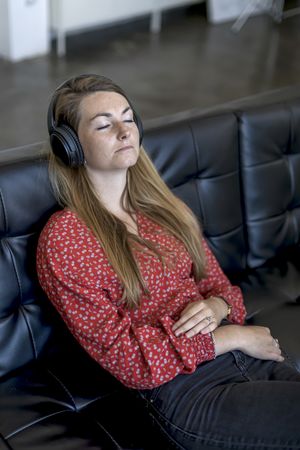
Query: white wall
[24, 28]
[4, 34]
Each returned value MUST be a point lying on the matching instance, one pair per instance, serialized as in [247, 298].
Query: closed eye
[103, 127]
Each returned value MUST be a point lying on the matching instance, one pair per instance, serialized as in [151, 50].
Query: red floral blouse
[137, 346]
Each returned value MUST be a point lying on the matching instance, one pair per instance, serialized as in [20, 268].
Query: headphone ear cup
[66, 145]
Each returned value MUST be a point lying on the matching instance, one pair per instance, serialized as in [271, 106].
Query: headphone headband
[63, 138]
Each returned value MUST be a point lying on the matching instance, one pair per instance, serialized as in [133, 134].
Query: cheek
[84, 141]
[97, 155]
[93, 147]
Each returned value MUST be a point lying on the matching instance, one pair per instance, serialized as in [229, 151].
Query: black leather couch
[240, 173]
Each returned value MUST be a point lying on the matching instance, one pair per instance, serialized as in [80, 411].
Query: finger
[180, 322]
[198, 329]
[276, 346]
[209, 328]
[198, 320]
[275, 350]
[188, 315]
[271, 353]
[276, 357]
[188, 325]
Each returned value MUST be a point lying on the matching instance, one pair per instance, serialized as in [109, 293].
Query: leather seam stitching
[31, 334]
[25, 427]
[4, 212]
[15, 268]
[107, 433]
[21, 297]
[197, 160]
[64, 388]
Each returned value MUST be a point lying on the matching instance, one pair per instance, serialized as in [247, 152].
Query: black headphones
[63, 138]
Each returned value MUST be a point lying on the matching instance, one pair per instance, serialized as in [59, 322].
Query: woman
[126, 267]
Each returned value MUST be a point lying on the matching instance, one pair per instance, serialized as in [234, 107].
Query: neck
[109, 187]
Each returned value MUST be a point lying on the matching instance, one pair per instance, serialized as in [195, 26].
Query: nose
[123, 131]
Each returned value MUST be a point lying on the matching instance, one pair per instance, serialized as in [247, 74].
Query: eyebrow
[106, 114]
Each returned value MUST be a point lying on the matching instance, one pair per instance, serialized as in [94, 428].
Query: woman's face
[107, 132]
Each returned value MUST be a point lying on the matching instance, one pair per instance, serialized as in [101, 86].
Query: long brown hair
[145, 192]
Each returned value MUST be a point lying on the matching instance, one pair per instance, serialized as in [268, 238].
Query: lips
[126, 147]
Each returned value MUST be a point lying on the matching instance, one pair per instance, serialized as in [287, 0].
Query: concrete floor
[190, 64]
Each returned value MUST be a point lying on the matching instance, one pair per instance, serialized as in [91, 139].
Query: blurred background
[169, 55]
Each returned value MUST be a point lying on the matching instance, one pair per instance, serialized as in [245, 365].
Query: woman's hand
[201, 316]
[259, 343]
[254, 341]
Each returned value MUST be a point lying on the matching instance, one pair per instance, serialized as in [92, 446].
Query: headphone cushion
[66, 145]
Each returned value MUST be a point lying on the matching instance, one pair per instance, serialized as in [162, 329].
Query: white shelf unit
[67, 16]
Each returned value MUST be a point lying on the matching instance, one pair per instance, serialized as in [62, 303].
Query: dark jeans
[234, 402]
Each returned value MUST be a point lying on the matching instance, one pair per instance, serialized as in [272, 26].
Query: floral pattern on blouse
[137, 346]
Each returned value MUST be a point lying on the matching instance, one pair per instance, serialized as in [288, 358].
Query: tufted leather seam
[214, 177]
[29, 425]
[267, 163]
[31, 334]
[226, 233]
[195, 147]
[292, 180]
[107, 432]
[242, 187]
[5, 244]
[64, 388]
[4, 212]
[275, 216]
[295, 223]
[292, 134]
[4, 442]
[71, 396]
[34, 422]
[269, 218]
[101, 397]
[223, 175]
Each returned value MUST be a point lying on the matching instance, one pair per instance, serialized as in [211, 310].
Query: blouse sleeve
[141, 357]
[217, 284]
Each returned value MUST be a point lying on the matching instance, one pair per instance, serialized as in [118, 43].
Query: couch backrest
[270, 170]
[25, 204]
[199, 161]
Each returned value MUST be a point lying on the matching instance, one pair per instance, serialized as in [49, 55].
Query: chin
[131, 161]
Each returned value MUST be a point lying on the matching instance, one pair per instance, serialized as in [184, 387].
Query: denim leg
[234, 402]
[256, 369]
